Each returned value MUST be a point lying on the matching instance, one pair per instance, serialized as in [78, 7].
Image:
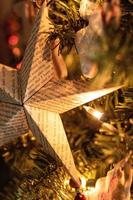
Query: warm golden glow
[90, 191]
[83, 182]
[66, 182]
[93, 112]
[97, 114]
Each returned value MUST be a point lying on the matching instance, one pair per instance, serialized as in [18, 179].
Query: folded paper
[33, 99]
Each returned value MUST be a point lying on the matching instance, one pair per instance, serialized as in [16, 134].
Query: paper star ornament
[32, 99]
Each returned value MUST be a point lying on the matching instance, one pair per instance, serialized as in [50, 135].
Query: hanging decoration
[34, 97]
[86, 38]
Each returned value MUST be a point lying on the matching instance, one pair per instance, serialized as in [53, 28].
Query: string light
[93, 112]
[16, 51]
[98, 115]
[83, 182]
[13, 40]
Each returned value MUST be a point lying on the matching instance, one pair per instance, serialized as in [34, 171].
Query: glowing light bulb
[66, 182]
[13, 40]
[83, 182]
[16, 51]
[90, 192]
[97, 114]
[93, 112]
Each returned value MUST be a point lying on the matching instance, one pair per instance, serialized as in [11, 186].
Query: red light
[18, 66]
[16, 51]
[13, 40]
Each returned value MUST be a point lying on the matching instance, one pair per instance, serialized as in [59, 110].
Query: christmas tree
[93, 41]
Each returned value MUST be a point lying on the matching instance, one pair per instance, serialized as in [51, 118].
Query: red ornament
[80, 196]
[73, 184]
